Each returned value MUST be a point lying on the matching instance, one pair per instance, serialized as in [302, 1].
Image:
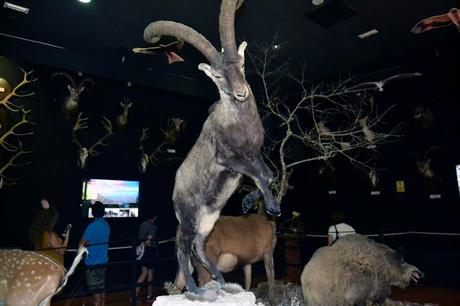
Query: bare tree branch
[323, 121]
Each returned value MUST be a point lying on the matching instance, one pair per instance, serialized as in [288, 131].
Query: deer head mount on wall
[83, 151]
[69, 107]
[12, 132]
[174, 127]
[122, 118]
[424, 166]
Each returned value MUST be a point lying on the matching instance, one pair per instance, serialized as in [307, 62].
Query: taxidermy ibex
[122, 118]
[174, 127]
[229, 246]
[84, 152]
[227, 148]
[70, 106]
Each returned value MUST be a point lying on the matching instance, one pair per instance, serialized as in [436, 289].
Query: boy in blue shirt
[96, 239]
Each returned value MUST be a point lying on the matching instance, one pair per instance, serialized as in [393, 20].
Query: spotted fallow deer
[228, 146]
[70, 106]
[30, 278]
[229, 246]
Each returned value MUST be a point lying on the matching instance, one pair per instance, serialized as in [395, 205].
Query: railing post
[134, 272]
[381, 236]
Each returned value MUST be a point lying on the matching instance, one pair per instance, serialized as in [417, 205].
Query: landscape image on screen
[120, 198]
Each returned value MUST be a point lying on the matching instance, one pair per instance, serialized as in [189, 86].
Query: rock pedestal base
[224, 299]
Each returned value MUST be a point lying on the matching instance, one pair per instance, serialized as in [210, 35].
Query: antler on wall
[70, 105]
[83, 151]
[171, 135]
[11, 133]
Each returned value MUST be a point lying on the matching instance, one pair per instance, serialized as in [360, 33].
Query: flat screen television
[457, 167]
[120, 197]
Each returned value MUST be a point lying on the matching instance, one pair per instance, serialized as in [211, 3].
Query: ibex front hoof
[274, 212]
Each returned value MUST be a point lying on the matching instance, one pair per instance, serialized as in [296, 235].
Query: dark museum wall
[53, 173]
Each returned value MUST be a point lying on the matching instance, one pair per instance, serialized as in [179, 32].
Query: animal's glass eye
[218, 76]
[242, 66]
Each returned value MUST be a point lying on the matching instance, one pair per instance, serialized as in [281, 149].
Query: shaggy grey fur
[354, 271]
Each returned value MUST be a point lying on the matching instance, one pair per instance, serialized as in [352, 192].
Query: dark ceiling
[95, 37]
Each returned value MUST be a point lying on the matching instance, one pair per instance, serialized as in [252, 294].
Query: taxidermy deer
[70, 106]
[30, 278]
[174, 127]
[227, 148]
[229, 246]
[122, 119]
[84, 152]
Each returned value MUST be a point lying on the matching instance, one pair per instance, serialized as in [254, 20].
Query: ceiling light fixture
[317, 2]
[15, 7]
[368, 34]
[276, 47]
[85, 1]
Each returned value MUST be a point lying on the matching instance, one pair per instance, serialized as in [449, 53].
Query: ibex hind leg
[183, 257]
[204, 260]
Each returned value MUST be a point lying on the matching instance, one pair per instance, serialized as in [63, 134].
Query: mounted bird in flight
[439, 21]
[168, 49]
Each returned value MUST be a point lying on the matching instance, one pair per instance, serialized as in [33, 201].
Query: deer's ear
[241, 48]
[70, 88]
[82, 88]
[206, 69]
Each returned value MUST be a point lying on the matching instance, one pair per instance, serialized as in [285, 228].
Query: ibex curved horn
[85, 81]
[227, 26]
[65, 75]
[155, 30]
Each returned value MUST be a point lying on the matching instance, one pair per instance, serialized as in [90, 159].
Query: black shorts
[95, 278]
[149, 258]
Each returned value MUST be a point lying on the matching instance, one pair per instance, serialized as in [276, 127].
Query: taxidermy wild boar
[354, 271]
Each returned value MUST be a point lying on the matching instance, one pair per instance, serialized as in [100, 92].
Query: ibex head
[229, 76]
[226, 69]
[71, 101]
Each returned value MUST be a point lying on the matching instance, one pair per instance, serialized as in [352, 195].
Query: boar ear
[400, 253]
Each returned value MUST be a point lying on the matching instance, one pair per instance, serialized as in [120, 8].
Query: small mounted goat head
[70, 106]
[423, 115]
[84, 152]
[171, 135]
[122, 119]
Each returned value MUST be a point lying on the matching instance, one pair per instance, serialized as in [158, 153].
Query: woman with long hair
[43, 237]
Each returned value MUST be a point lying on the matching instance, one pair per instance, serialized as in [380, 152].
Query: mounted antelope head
[122, 119]
[174, 127]
[83, 151]
[373, 177]
[31, 278]
[70, 106]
